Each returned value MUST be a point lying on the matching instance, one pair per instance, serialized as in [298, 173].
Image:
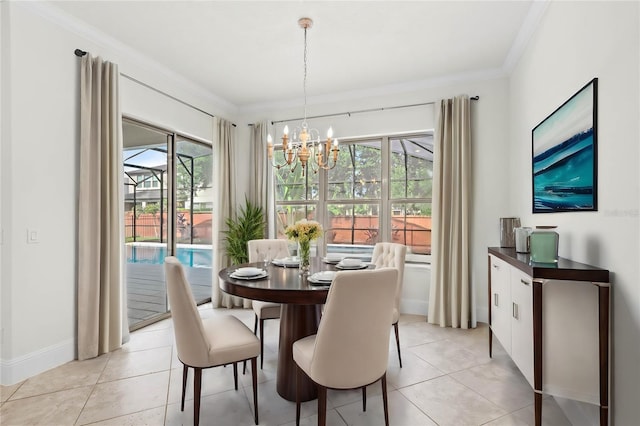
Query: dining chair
[392, 255]
[207, 343]
[258, 251]
[351, 347]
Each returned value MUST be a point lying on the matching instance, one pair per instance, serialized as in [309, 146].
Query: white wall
[576, 42]
[490, 166]
[155, 108]
[4, 133]
[39, 166]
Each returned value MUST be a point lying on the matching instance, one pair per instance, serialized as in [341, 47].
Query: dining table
[301, 301]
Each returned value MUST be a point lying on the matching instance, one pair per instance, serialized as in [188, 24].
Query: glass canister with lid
[543, 244]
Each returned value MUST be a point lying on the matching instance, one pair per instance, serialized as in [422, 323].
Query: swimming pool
[193, 256]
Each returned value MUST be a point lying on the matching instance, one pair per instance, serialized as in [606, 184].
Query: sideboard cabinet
[553, 320]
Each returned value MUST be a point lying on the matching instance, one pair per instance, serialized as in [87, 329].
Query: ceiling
[250, 53]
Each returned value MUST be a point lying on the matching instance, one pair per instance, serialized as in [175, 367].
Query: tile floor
[447, 379]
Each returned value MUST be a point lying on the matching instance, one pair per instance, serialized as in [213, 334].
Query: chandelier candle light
[304, 231]
[305, 144]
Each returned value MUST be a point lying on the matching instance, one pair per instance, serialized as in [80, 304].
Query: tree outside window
[380, 190]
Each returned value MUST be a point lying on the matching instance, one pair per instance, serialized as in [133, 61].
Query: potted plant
[249, 224]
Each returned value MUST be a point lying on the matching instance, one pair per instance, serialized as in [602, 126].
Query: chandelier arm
[313, 165]
[276, 165]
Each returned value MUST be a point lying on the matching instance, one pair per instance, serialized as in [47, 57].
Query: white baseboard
[579, 413]
[414, 307]
[15, 370]
[482, 314]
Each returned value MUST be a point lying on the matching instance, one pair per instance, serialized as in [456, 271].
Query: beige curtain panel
[101, 301]
[449, 294]
[258, 172]
[224, 205]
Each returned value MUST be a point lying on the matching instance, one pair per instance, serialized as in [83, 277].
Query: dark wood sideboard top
[565, 269]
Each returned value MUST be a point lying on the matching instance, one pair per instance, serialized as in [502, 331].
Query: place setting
[323, 278]
[249, 273]
[287, 262]
[332, 258]
[351, 263]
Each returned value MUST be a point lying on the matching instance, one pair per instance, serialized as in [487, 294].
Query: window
[411, 177]
[380, 190]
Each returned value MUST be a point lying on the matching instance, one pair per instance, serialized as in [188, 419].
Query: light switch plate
[33, 236]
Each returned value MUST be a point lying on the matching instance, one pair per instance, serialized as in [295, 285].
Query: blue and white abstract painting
[564, 156]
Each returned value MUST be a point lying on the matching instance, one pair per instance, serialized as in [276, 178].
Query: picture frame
[564, 152]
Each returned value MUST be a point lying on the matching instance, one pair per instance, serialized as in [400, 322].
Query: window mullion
[322, 215]
[385, 196]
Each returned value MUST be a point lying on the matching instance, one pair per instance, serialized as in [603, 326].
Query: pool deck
[147, 291]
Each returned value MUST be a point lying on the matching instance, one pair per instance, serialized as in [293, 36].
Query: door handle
[525, 282]
[514, 309]
[495, 299]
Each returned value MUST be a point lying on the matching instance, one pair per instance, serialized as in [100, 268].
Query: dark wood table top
[564, 269]
[283, 285]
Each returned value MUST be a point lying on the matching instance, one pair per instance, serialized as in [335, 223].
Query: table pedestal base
[296, 322]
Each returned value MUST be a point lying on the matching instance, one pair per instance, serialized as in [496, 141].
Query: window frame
[385, 201]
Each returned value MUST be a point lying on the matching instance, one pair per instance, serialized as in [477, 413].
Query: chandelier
[304, 147]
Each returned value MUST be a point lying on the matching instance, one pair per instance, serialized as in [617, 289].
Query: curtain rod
[80, 53]
[473, 98]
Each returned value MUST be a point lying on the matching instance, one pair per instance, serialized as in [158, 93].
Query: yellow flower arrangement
[304, 230]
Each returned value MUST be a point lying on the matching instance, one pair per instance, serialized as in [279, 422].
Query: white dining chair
[259, 251]
[392, 255]
[351, 347]
[215, 341]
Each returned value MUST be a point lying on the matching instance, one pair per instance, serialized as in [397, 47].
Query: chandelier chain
[304, 81]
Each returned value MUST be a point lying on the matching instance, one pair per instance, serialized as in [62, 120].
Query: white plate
[248, 272]
[334, 257]
[361, 266]
[324, 277]
[264, 274]
[330, 261]
[351, 263]
[286, 261]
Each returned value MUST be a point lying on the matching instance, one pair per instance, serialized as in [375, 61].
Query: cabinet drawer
[500, 301]
[522, 322]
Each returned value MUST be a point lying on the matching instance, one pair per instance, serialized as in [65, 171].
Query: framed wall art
[564, 153]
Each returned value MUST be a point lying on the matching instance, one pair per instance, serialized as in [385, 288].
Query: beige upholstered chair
[206, 343]
[351, 348]
[392, 255]
[258, 251]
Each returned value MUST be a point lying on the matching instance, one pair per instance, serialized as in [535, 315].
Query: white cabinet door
[522, 322]
[501, 301]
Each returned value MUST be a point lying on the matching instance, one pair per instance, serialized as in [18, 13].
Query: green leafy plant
[248, 225]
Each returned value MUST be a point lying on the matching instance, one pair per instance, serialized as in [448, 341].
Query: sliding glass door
[194, 205]
[167, 211]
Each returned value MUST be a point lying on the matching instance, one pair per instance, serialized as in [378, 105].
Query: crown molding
[92, 34]
[528, 28]
[57, 16]
[392, 89]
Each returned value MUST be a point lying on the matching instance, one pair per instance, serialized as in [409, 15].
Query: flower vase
[304, 251]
